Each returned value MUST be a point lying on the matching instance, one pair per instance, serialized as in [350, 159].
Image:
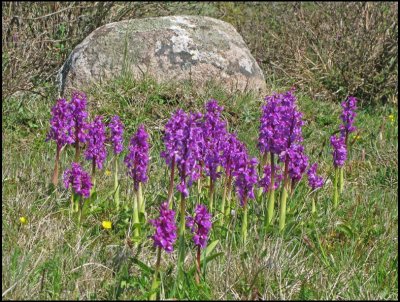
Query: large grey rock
[173, 48]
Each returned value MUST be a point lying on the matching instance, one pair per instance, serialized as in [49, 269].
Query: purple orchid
[79, 115]
[200, 225]
[137, 159]
[280, 123]
[348, 115]
[214, 134]
[339, 150]
[165, 234]
[79, 179]
[234, 154]
[265, 182]
[96, 138]
[61, 124]
[183, 140]
[314, 181]
[245, 179]
[298, 161]
[116, 134]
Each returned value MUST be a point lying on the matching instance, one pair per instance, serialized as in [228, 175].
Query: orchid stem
[244, 224]
[335, 188]
[211, 195]
[181, 256]
[136, 218]
[154, 285]
[93, 175]
[313, 208]
[116, 186]
[141, 201]
[198, 265]
[282, 216]
[228, 199]
[271, 200]
[224, 200]
[286, 188]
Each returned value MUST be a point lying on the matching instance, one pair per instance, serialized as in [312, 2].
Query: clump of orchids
[198, 147]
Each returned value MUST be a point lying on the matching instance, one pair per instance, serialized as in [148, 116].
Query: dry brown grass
[328, 49]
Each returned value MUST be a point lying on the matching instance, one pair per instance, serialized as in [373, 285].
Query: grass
[350, 253]
[330, 50]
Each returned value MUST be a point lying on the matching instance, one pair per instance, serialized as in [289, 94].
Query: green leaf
[207, 259]
[142, 216]
[345, 229]
[136, 226]
[136, 239]
[209, 249]
[143, 266]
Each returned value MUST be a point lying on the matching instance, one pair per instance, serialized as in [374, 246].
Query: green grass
[350, 253]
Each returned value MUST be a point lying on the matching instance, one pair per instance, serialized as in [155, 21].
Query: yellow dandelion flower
[108, 172]
[357, 137]
[391, 118]
[106, 224]
[23, 220]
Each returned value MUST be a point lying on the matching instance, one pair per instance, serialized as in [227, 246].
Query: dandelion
[107, 173]
[106, 224]
[391, 118]
[23, 220]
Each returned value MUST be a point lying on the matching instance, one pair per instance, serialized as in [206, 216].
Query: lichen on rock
[173, 48]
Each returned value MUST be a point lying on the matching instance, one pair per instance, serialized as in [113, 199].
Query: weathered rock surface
[173, 48]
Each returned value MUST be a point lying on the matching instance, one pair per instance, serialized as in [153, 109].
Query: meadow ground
[348, 253]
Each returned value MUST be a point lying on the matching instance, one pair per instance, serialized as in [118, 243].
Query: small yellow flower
[108, 172]
[23, 220]
[391, 118]
[106, 224]
[357, 137]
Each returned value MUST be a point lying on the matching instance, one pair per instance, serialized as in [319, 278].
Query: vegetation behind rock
[327, 49]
